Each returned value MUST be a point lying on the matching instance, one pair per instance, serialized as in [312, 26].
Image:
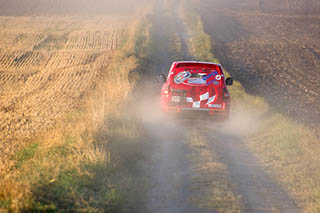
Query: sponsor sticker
[212, 78]
[215, 105]
[196, 81]
[196, 104]
[189, 99]
[204, 96]
[215, 83]
[212, 74]
[181, 77]
[211, 99]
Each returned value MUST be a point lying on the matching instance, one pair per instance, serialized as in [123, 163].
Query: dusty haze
[63, 7]
[78, 84]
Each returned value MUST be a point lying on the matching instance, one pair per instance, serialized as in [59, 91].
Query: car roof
[196, 62]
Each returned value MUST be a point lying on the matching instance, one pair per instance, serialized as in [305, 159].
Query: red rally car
[196, 87]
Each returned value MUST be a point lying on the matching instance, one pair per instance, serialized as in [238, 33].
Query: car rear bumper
[207, 111]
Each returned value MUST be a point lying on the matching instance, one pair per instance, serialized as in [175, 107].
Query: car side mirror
[162, 78]
[229, 81]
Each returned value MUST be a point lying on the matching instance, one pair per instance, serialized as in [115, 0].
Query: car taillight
[166, 91]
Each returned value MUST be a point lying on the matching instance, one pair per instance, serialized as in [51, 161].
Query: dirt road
[260, 193]
[171, 171]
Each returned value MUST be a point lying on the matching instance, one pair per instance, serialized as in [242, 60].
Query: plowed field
[274, 54]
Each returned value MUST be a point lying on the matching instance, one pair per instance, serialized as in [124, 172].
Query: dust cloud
[243, 122]
[69, 7]
[149, 110]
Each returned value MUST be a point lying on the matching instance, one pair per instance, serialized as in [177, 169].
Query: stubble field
[46, 65]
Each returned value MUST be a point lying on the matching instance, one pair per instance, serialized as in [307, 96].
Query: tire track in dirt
[259, 191]
[171, 176]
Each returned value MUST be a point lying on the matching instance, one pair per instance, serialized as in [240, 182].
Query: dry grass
[64, 83]
[199, 43]
[291, 152]
[212, 186]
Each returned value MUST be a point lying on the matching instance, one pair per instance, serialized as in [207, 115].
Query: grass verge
[287, 149]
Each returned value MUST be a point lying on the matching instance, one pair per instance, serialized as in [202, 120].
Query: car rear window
[197, 65]
[197, 76]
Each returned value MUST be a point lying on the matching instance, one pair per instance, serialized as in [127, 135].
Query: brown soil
[273, 54]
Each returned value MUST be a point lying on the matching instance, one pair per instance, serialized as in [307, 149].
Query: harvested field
[46, 66]
[63, 83]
